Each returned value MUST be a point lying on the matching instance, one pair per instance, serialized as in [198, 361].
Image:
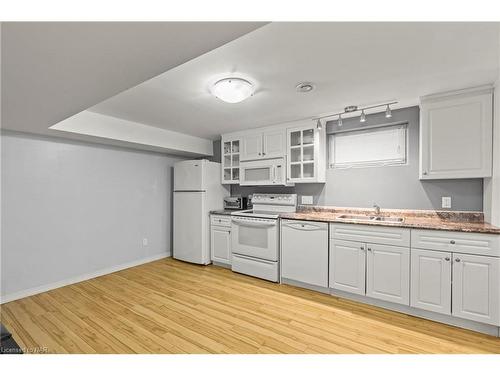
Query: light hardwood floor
[172, 307]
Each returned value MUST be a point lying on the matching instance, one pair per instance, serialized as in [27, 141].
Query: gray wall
[70, 209]
[391, 186]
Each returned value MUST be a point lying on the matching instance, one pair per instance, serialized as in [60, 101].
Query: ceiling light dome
[232, 90]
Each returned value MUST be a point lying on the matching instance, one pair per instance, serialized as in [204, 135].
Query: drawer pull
[369, 249]
[362, 247]
[452, 242]
[447, 259]
[457, 259]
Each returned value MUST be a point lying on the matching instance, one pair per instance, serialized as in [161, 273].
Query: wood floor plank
[168, 306]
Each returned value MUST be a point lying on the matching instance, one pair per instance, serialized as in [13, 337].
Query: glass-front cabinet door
[230, 161]
[304, 151]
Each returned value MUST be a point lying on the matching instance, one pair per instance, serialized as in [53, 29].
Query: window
[378, 146]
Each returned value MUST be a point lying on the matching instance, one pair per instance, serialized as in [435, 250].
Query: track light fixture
[388, 112]
[354, 108]
[362, 118]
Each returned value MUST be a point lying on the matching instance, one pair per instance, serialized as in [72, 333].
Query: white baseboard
[77, 279]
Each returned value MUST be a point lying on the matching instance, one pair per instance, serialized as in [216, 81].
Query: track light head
[388, 112]
[319, 125]
[362, 117]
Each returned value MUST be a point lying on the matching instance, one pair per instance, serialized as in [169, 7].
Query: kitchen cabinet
[364, 260]
[461, 270]
[476, 288]
[388, 273]
[220, 239]
[348, 266]
[274, 143]
[304, 252]
[263, 145]
[230, 160]
[306, 154]
[456, 134]
[431, 280]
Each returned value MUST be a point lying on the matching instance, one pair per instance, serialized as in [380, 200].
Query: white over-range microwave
[263, 172]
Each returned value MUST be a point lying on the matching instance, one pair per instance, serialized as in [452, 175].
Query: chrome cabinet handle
[457, 259]
[424, 173]
[362, 247]
[369, 249]
[263, 153]
[447, 259]
[452, 242]
[259, 153]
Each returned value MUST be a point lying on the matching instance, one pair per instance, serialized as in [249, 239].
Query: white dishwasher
[304, 252]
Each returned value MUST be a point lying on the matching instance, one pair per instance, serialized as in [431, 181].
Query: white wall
[492, 185]
[74, 210]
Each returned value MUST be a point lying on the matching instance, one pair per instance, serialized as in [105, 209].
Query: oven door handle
[251, 223]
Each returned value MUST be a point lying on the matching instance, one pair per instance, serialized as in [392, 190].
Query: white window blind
[370, 147]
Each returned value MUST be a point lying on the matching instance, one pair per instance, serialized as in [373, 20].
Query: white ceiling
[53, 70]
[350, 63]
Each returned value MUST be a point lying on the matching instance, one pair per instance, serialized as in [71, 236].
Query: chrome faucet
[377, 209]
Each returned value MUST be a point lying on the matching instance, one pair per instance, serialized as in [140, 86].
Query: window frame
[373, 163]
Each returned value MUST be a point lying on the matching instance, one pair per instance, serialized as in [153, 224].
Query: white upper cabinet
[306, 156]
[230, 160]
[263, 145]
[251, 147]
[456, 134]
[274, 143]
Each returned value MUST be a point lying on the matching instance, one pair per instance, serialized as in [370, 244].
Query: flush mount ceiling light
[232, 90]
[304, 87]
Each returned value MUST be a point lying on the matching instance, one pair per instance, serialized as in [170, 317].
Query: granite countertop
[459, 221]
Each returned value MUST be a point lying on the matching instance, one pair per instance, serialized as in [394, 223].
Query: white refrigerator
[197, 191]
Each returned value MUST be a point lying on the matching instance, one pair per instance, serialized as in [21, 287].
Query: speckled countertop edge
[458, 221]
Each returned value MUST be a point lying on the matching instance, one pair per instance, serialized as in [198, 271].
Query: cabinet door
[304, 252]
[347, 266]
[251, 147]
[476, 288]
[431, 280]
[388, 273]
[456, 137]
[220, 244]
[274, 144]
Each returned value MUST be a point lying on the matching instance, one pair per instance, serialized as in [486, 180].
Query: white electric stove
[255, 235]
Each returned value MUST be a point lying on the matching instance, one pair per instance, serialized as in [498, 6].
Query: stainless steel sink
[385, 219]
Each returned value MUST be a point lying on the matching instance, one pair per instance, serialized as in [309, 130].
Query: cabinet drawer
[371, 234]
[221, 220]
[263, 269]
[458, 242]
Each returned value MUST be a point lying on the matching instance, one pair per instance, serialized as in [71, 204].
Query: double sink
[385, 219]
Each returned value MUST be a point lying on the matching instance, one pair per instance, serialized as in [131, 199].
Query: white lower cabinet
[388, 273]
[220, 239]
[370, 267]
[347, 266]
[476, 288]
[431, 280]
[304, 252]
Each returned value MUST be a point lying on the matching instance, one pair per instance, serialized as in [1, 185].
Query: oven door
[255, 237]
